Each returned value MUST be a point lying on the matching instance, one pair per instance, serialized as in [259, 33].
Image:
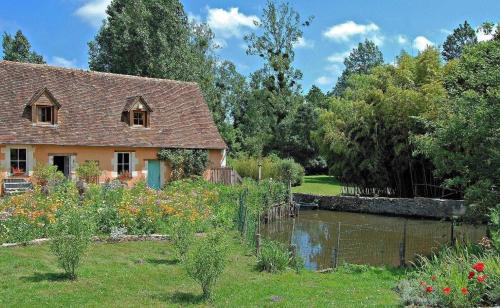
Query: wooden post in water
[402, 247]
[336, 250]
[452, 231]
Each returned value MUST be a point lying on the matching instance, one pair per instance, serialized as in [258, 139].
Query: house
[65, 117]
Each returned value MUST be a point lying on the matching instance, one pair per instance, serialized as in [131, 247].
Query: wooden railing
[224, 175]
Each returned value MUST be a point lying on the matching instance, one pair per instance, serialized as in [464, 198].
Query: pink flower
[481, 278]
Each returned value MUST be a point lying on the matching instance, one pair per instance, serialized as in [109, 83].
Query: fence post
[257, 243]
[402, 246]
[452, 231]
[336, 251]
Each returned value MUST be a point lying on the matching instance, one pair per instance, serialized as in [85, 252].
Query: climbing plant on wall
[185, 163]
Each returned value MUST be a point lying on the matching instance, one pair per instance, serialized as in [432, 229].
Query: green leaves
[18, 49]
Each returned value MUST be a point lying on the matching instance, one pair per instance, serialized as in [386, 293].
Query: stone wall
[416, 207]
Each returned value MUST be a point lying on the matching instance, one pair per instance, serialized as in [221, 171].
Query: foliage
[207, 262]
[495, 227]
[88, 171]
[274, 257]
[455, 43]
[72, 234]
[455, 277]
[272, 168]
[360, 61]
[463, 140]
[364, 134]
[185, 163]
[182, 236]
[18, 49]
[47, 175]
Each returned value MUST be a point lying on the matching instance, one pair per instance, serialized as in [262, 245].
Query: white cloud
[481, 36]
[304, 43]
[338, 57]
[334, 69]
[60, 61]
[324, 80]
[345, 31]
[93, 11]
[402, 39]
[229, 23]
[194, 18]
[421, 43]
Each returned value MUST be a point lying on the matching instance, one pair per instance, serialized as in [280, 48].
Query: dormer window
[45, 114]
[44, 107]
[139, 118]
[137, 112]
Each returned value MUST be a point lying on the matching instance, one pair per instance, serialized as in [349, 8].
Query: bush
[72, 236]
[48, 176]
[456, 277]
[272, 168]
[274, 257]
[185, 163]
[182, 236]
[206, 262]
[89, 172]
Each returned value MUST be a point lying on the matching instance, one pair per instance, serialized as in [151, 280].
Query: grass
[319, 185]
[147, 274]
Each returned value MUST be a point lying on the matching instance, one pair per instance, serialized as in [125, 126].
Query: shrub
[206, 262]
[182, 236]
[89, 172]
[47, 175]
[185, 163]
[272, 168]
[72, 236]
[456, 277]
[274, 257]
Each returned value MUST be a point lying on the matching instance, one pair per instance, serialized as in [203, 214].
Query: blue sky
[60, 29]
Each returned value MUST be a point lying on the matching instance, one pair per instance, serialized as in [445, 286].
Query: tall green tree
[455, 43]
[365, 133]
[276, 87]
[317, 98]
[18, 49]
[464, 140]
[360, 61]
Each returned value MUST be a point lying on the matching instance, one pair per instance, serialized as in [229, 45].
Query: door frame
[162, 170]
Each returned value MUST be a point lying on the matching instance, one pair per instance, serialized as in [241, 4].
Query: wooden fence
[224, 175]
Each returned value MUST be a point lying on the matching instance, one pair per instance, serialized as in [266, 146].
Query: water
[364, 238]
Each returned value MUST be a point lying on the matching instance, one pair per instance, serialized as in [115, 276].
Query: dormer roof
[41, 92]
[136, 102]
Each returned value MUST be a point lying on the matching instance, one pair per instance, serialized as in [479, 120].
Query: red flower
[471, 275]
[433, 278]
[447, 291]
[465, 291]
[428, 289]
[481, 278]
[479, 266]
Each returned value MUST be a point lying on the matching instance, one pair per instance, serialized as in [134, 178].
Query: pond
[364, 238]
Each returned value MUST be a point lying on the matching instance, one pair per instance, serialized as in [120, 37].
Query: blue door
[154, 180]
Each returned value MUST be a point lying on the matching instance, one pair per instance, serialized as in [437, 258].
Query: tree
[317, 98]
[365, 133]
[18, 49]
[455, 43]
[463, 141]
[275, 87]
[360, 61]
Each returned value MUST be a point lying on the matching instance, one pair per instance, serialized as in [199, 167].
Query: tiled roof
[91, 106]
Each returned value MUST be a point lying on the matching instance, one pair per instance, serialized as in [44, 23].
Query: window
[44, 114]
[18, 161]
[123, 162]
[139, 118]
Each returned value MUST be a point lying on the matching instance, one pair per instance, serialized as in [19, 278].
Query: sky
[61, 29]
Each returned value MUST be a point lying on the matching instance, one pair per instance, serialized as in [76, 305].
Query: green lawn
[319, 185]
[146, 274]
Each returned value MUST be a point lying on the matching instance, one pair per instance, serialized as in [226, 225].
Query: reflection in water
[364, 238]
